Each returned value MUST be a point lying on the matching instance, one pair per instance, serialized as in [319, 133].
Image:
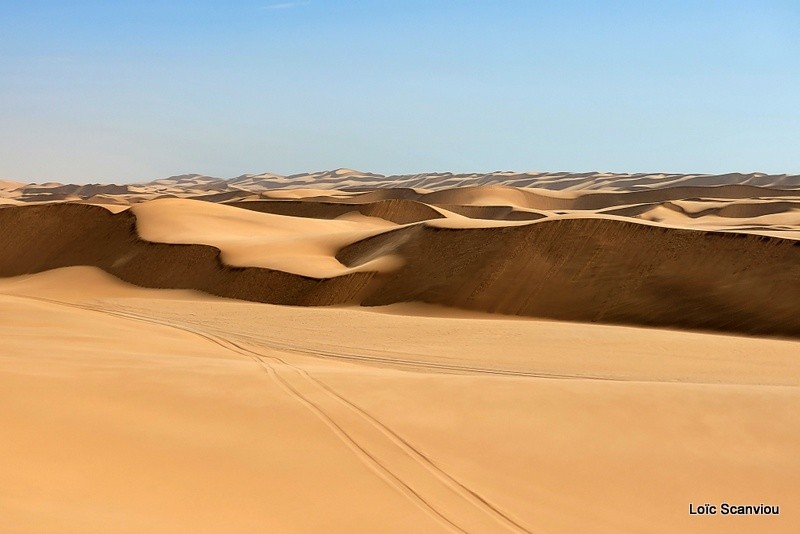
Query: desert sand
[350, 352]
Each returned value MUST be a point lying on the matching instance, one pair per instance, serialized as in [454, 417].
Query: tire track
[395, 360]
[404, 363]
[409, 449]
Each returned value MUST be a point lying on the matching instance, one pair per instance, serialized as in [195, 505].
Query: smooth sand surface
[247, 238]
[128, 409]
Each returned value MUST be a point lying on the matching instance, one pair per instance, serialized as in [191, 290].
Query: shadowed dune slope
[597, 270]
[738, 210]
[585, 269]
[228, 196]
[497, 213]
[43, 237]
[398, 211]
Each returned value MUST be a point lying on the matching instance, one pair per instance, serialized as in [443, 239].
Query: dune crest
[690, 251]
[584, 266]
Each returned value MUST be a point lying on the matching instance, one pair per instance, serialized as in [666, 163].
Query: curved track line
[402, 443]
[414, 364]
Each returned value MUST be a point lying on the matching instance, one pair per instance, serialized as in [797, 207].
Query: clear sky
[97, 90]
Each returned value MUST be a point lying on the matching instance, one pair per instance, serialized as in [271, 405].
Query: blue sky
[123, 91]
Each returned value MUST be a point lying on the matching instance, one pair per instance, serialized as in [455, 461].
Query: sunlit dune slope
[304, 246]
[395, 210]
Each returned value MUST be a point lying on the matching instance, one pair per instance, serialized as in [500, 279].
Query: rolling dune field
[351, 352]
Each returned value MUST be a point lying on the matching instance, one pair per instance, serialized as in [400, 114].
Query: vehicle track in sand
[384, 358]
[415, 362]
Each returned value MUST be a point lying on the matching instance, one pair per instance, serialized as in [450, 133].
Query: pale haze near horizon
[141, 90]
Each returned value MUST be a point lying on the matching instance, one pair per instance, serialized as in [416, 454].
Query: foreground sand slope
[128, 409]
[116, 425]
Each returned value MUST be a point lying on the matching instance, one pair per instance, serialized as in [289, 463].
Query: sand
[150, 381]
[248, 238]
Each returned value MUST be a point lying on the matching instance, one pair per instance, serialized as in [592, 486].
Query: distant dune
[642, 249]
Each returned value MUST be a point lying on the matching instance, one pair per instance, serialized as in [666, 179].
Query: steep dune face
[579, 269]
[645, 249]
[39, 238]
[736, 210]
[367, 195]
[497, 213]
[597, 270]
[538, 197]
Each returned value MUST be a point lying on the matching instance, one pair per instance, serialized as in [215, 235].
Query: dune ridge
[63, 235]
[597, 270]
[579, 269]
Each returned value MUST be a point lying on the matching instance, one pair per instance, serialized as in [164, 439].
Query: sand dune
[251, 239]
[738, 210]
[75, 234]
[394, 210]
[452, 353]
[408, 187]
[7, 186]
[595, 269]
[500, 213]
[591, 200]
